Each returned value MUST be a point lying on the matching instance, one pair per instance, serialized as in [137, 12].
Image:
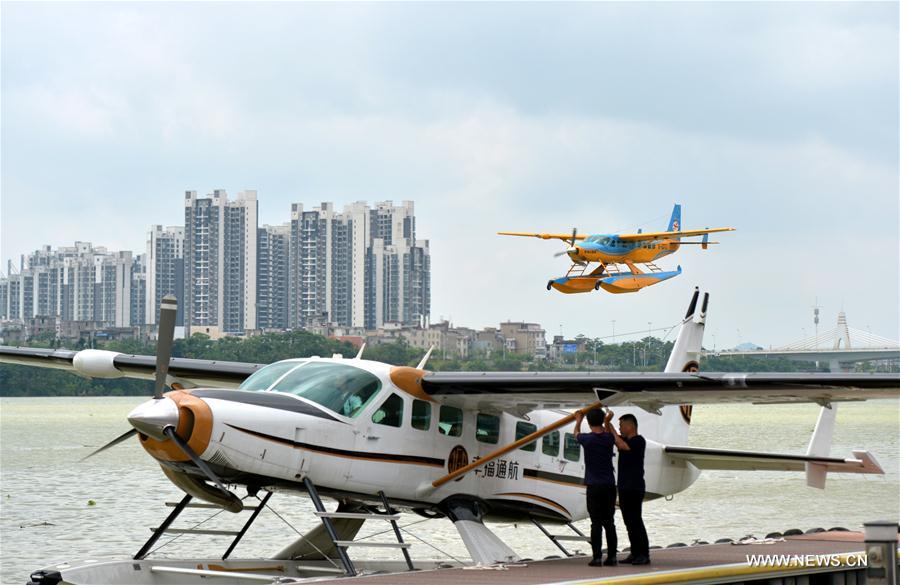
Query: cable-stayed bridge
[838, 347]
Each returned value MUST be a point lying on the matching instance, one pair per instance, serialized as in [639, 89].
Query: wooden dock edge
[716, 573]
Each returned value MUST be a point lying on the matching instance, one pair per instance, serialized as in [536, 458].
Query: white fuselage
[357, 457]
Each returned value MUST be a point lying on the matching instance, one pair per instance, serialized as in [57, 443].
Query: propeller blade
[165, 336]
[574, 233]
[558, 254]
[182, 444]
[112, 443]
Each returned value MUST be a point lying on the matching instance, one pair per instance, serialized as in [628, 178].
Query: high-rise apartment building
[164, 269]
[399, 268]
[79, 283]
[139, 307]
[272, 281]
[113, 278]
[361, 267]
[308, 259]
[220, 238]
[4, 298]
[327, 265]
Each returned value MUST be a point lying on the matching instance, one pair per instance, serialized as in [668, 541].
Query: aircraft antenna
[425, 358]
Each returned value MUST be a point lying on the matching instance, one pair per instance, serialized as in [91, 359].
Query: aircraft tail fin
[820, 446]
[675, 220]
[685, 356]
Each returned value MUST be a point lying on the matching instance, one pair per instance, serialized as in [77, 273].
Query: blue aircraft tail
[675, 221]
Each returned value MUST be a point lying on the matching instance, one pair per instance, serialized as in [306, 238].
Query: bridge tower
[842, 333]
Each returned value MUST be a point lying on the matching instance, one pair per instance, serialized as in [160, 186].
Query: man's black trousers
[601, 505]
[631, 503]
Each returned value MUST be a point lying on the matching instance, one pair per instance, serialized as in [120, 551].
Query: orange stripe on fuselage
[540, 499]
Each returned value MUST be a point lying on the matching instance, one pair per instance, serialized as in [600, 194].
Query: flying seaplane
[611, 251]
[378, 438]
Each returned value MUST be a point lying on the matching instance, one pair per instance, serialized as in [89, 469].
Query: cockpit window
[343, 389]
[266, 376]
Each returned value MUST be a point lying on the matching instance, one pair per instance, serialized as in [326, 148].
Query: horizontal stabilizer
[862, 461]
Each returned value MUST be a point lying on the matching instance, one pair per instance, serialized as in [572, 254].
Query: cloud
[779, 120]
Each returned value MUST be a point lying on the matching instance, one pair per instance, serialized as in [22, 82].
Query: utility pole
[614, 330]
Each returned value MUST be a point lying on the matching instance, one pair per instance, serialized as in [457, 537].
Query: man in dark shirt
[601, 484]
[631, 485]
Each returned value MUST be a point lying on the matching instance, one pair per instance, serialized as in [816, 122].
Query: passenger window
[421, 415]
[487, 429]
[550, 444]
[390, 412]
[572, 449]
[523, 429]
[450, 421]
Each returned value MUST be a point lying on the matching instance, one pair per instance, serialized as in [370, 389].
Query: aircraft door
[324, 452]
[448, 440]
[395, 443]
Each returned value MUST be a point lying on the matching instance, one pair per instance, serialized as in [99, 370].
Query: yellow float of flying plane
[613, 251]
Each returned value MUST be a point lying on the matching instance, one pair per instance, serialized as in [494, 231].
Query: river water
[54, 508]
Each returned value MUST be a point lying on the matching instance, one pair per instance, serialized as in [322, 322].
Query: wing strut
[512, 446]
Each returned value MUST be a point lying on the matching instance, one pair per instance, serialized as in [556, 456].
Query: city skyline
[362, 267]
[805, 330]
[777, 119]
[165, 244]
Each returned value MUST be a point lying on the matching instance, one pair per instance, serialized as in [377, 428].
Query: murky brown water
[45, 514]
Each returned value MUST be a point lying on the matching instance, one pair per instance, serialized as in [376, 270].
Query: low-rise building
[562, 347]
[525, 338]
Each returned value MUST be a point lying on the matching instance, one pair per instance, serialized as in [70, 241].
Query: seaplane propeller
[571, 248]
[158, 418]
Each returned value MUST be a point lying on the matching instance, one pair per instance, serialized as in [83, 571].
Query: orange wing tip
[410, 381]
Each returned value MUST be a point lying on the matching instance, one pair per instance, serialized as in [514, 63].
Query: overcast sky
[778, 119]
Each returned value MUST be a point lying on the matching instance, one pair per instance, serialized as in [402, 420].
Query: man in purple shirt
[601, 484]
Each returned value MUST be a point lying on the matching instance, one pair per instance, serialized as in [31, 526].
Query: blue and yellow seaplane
[612, 252]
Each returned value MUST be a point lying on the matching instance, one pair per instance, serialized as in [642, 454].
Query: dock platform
[833, 558]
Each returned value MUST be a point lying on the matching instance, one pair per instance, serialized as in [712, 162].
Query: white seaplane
[379, 438]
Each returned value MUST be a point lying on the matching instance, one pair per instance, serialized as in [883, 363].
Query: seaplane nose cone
[153, 416]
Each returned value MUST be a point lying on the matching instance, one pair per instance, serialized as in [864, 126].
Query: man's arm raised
[620, 442]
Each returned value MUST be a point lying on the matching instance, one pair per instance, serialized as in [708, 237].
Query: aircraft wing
[543, 236]
[98, 363]
[678, 234]
[863, 462]
[523, 391]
